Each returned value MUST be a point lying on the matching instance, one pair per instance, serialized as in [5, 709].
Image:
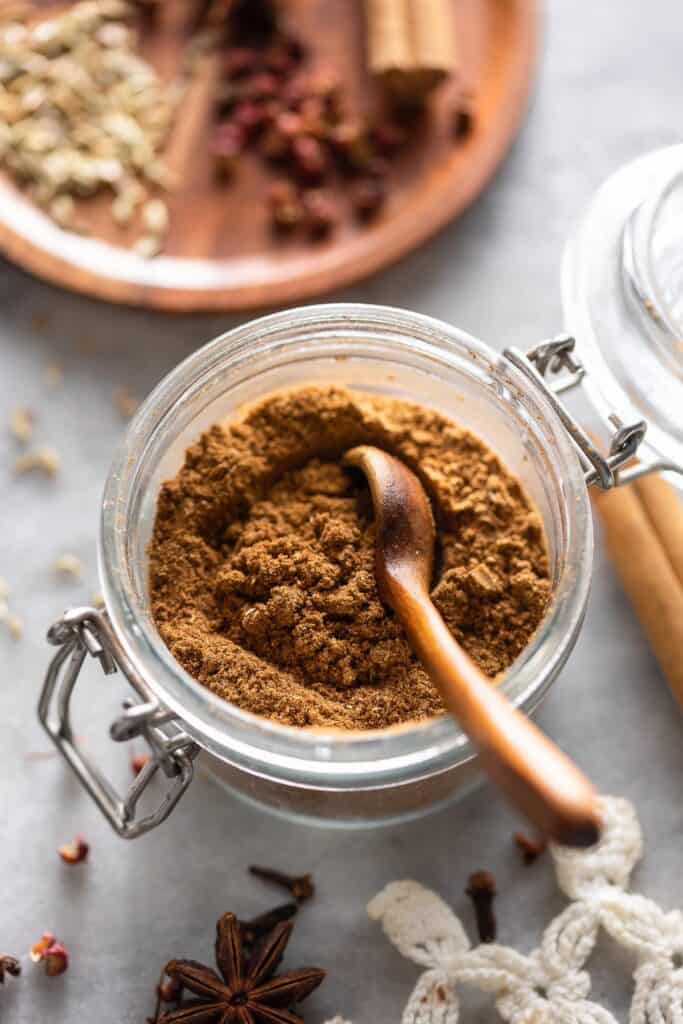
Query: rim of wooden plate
[31, 240]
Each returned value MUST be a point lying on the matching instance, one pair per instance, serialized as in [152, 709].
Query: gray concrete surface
[610, 88]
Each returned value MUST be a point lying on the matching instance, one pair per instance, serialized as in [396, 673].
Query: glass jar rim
[328, 758]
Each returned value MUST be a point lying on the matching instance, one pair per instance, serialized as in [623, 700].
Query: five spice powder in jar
[261, 560]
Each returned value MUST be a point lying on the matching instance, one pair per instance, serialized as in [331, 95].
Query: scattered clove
[481, 888]
[531, 849]
[75, 851]
[300, 886]
[258, 927]
[9, 965]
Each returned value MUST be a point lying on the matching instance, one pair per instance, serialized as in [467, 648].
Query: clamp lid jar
[514, 402]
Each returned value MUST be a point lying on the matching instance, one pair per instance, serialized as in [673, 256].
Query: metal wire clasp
[87, 631]
[556, 359]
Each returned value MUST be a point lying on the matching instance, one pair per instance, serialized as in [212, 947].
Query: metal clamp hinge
[87, 631]
[554, 368]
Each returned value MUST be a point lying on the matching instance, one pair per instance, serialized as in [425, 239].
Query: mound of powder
[261, 560]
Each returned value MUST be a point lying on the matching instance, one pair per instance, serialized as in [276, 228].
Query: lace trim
[549, 985]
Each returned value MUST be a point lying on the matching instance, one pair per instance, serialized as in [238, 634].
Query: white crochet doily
[550, 985]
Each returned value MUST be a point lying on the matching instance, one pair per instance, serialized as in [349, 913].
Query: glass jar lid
[622, 292]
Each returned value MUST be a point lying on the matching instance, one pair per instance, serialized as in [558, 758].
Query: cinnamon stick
[411, 44]
[664, 509]
[647, 573]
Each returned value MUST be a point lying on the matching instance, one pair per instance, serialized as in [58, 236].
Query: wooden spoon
[535, 776]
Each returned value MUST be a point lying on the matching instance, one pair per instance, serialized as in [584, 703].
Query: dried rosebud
[309, 159]
[352, 145]
[263, 86]
[39, 948]
[138, 762]
[225, 99]
[227, 146]
[286, 208]
[324, 83]
[388, 137]
[289, 125]
[240, 61]
[274, 146]
[378, 167]
[367, 197]
[279, 62]
[74, 852]
[313, 116]
[463, 122]
[56, 960]
[250, 117]
[320, 212]
[9, 965]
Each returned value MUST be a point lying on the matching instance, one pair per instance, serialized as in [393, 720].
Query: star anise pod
[246, 991]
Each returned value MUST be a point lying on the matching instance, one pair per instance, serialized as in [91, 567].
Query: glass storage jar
[510, 400]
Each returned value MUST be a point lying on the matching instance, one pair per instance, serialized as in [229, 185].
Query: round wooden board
[220, 253]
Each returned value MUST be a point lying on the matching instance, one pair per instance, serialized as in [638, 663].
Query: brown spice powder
[261, 560]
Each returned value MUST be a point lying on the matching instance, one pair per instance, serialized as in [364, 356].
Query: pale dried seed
[21, 427]
[62, 209]
[97, 599]
[41, 460]
[54, 375]
[4, 589]
[81, 110]
[155, 216]
[69, 565]
[147, 247]
[15, 626]
[125, 403]
[4, 610]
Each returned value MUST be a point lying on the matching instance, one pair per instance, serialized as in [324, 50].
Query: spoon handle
[534, 774]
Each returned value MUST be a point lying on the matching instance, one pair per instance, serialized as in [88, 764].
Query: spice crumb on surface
[39, 460]
[15, 626]
[125, 403]
[21, 423]
[262, 560]
[54, 375]
[68, 566]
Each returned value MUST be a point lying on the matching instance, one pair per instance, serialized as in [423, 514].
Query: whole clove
[481, 888]
[9, 965]
[531, 849]
[301, 887]
[258, 927]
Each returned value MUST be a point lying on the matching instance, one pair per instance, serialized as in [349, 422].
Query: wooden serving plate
[220, 253]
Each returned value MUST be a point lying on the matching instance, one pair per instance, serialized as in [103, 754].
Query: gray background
[609, 89]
